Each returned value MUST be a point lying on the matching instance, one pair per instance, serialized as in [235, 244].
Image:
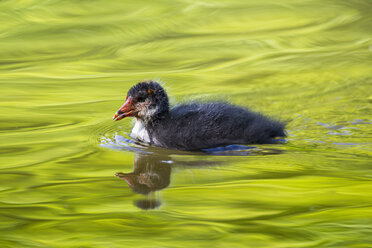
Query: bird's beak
[128, 177]
[126, 110]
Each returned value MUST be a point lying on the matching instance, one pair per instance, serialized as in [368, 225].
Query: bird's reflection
[151, 173]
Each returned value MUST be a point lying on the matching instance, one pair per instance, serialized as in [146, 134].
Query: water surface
[65, 69]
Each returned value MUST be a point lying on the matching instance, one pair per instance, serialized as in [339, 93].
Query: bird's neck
[155, 119]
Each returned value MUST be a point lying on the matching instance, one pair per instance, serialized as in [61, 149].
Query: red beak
[128, 177]
[126, 110]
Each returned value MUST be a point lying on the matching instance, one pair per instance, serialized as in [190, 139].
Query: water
[66, 66]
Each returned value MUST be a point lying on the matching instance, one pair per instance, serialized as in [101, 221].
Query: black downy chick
[193, 126]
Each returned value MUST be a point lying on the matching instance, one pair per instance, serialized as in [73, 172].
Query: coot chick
[193, 126]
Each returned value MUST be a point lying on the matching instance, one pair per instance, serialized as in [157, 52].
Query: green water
[65, 67]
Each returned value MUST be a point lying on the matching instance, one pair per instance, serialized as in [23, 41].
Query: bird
[194, 126]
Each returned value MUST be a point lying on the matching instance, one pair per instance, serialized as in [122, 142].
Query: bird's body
[196, 126]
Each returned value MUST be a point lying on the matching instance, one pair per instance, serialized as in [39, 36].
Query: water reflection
[153, 166]
[152, 173]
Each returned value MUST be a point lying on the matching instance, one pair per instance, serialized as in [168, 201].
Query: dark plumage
[193, 126]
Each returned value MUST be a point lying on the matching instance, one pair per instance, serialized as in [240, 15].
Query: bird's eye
[141, 99]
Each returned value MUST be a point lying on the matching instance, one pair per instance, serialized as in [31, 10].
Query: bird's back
[204, 125]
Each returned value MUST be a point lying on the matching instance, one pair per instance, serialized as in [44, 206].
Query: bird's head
[146, 101]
